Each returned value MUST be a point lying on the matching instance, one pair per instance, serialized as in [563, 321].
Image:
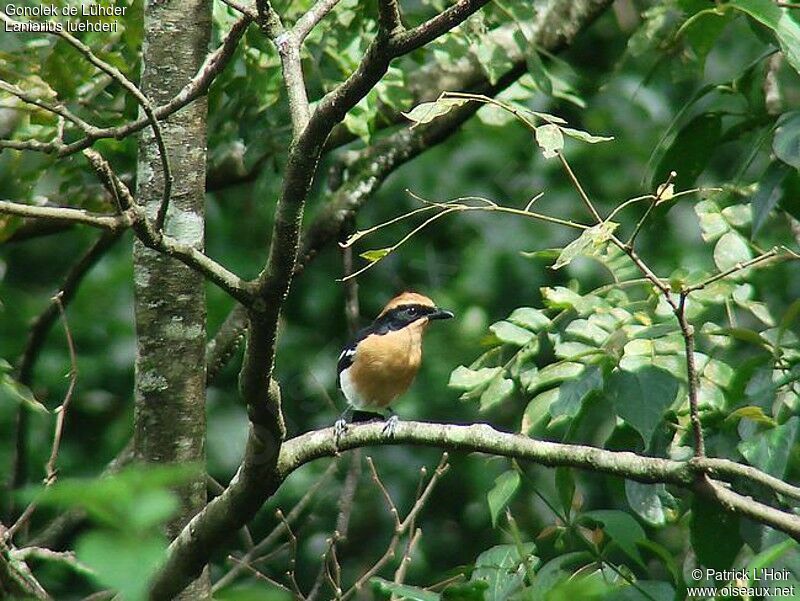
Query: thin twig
[143, 101]
[765, 257]
[402, 568]
[376, 479]
[279, 530]
[213, 65]
[106, 221]
[57, 109]
[257, 573]
[51, 472]
[401, 527]
[455, 205]
[662, 189]
[581, 192]
[290, 573]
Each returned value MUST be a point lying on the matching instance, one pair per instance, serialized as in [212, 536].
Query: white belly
[350, 393]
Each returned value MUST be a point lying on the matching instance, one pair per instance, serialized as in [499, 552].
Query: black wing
[345, 361]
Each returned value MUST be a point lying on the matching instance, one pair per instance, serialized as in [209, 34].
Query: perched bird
[381, 362]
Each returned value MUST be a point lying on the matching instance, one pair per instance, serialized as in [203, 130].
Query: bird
[380, 363]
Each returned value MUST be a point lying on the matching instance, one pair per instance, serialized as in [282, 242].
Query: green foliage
[504, 488]
[566, 343]
[129, 509]
[714, 534]
[12, 391]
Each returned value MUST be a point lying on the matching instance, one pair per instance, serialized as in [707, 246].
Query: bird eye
[412, 310]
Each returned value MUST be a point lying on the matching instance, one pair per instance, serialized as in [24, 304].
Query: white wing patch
[346, 353]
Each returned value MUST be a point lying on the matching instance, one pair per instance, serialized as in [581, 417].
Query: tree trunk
[169, 421]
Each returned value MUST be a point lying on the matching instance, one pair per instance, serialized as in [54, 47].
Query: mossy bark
[169, 422]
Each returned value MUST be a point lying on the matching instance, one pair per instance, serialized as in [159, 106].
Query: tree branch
[309, 20]
[485, 439]
[258, 476]
[106, 221]
[196, 87]
[389, 17]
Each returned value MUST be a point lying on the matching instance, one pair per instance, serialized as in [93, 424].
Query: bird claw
[390, 426]
[339, 429]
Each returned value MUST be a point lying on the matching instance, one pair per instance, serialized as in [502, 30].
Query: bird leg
[340, 426]
[391, 424]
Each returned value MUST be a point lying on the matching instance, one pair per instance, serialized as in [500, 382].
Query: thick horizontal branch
[484, 439]
[302, 449]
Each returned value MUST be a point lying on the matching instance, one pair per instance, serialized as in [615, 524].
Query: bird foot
[390, 426]
[339, 429]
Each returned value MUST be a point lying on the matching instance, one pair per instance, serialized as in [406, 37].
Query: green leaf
[585, 136]
[502, 569]
[744, 335]
[547, 117]
[152, 508]
[712, 223]
[494, 115]
[731, 250]
[769, 451]
[464, 378]
[770, 555]
[786, 29]
[498, 390]
[623, 529]
[122, 562]
[554, 373]
[565, 486]
[715, 534]
[768, 194]
[428, 111]
[560, 297]
[786, 143]
[645, 500]
[704, 30]
[535, 65]
[550, 140]
[466, 591]
[643, 590]
[573, 392]
[375, 255]
[641, 397]
[404, 591]
[690, 151]
[591, 242]
[504, 488]
[554, 571]
[509, 333]
[114, 501]
[537, 410]
[530, 318]
[753, 413]
[19, 393]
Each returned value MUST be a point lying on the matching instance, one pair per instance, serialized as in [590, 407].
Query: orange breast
[385, 365]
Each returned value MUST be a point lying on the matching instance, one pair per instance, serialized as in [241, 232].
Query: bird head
[411, 308]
